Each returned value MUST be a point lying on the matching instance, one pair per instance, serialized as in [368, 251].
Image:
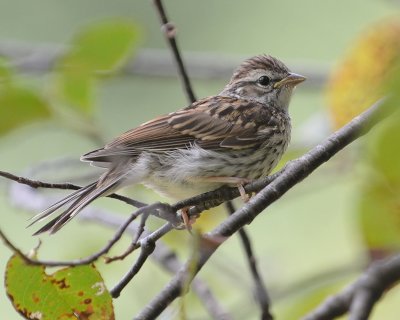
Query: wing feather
[213, 123]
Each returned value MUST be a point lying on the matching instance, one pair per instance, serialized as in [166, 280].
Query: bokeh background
[310, 243]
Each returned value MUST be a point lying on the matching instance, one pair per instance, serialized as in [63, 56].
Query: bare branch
[170, 31]
[64, 186]
[168, 260]
[117, 236]
[359, 297]
[147, 245]
[147, 249]
[261, 291]
[162, 255]
[294, 172]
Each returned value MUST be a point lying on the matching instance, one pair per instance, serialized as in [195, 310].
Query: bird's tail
[77, 201]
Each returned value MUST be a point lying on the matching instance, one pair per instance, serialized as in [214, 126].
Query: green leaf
[99, 48]
[69, 293]
[75, 86]
[380, 218]
[379, 206]
[19, 106]
[103, 46]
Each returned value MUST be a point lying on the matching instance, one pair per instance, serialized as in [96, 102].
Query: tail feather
[53, 208]
[78, 206]
[80, 199]
[49, 225]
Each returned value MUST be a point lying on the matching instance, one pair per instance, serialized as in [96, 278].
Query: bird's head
[264, 79]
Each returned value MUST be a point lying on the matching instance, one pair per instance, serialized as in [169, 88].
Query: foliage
[360, 79]
[369, 71]
[19, 104]
[69, 293]
[379, 207]
[97, 50]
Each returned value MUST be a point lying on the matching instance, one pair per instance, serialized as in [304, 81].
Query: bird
[231, 138]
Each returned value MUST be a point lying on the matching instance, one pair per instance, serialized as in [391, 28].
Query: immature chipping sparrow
[228, 139]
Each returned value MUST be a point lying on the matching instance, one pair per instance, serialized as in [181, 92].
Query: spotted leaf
[70, 293]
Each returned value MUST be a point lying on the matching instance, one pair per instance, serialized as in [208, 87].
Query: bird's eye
[264, 81]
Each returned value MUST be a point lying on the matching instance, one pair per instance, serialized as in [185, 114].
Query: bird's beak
[292, 79]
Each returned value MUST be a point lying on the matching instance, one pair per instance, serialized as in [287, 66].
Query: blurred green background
[311, 231]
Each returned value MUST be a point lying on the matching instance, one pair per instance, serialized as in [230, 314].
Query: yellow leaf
[360, 79]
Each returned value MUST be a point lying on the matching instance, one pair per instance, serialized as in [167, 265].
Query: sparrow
[230, 139]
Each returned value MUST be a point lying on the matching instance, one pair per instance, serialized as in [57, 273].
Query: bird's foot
[187, 220]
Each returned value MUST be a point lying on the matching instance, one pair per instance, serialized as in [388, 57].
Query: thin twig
[294, 172]
[147, 246]
[162, 255]
[117, 236]
[134, 244]
[170, 31]
[147, 249]
[168, 260]
[261, 290]
[65, 186]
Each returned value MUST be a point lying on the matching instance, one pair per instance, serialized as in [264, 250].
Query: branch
[170, 31]
[359, 297]
[162, 255]
[294, 172]
[117, 236]
[147, 246]
[65, 186]
[261, 291]
[168, 260]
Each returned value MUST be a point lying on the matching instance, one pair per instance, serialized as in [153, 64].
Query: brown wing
[212, 123]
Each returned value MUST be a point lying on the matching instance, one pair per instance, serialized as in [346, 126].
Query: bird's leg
[187, 221]
[238, 182]
[245, 197]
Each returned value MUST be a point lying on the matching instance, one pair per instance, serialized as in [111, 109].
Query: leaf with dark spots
[69, 293]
